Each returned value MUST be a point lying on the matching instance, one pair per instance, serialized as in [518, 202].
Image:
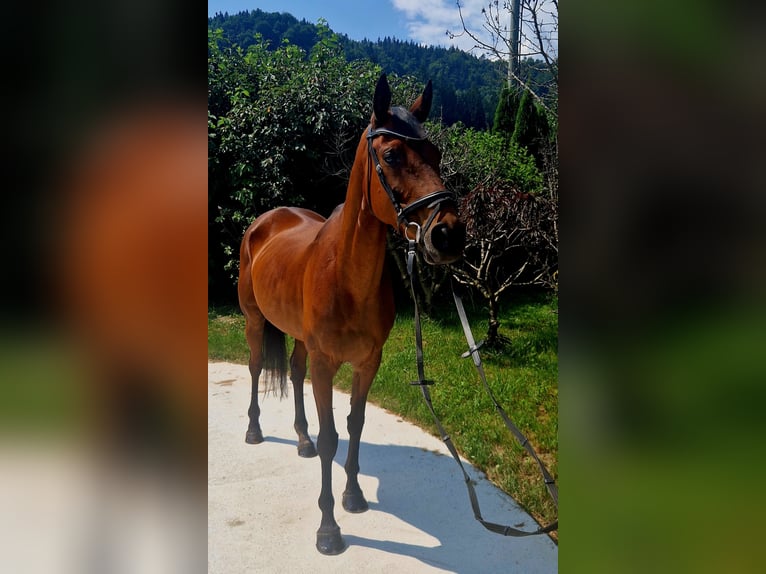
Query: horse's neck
[362, 245]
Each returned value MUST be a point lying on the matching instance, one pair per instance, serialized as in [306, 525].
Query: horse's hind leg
[254, 325]
[306, 447]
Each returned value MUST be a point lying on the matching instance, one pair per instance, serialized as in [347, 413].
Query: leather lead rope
[473, 351]
[424, 383]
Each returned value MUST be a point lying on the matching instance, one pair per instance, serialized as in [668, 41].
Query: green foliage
[471, 157]
[505, 113]
[524, 128]
[526, 123]
[465, 86]
[531, 128]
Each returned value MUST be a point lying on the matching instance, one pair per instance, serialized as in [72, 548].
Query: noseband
[433, 200]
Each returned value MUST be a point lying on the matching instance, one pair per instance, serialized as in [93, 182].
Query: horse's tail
[275, 359]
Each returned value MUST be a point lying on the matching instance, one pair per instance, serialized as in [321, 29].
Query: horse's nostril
[440, 237]
[446, 239]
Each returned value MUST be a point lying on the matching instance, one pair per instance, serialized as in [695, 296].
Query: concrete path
[262, 499]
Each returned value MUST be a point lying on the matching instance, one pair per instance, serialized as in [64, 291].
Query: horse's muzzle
[444, 243]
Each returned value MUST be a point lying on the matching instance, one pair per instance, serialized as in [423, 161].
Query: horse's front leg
[353, 498]
[329, 540]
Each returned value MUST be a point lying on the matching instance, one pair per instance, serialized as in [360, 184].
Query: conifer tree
[524, 125]
[506, 111]
[531, 127]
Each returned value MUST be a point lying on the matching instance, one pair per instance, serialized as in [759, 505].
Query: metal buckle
[411, 245]
[417, 231]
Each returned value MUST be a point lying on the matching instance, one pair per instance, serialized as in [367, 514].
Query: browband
[383, 131]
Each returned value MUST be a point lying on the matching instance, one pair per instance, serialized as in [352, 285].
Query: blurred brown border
[661, 273]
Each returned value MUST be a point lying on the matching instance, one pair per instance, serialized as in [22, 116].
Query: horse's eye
[391, 157]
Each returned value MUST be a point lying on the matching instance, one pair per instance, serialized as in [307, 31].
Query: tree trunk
[493, 339]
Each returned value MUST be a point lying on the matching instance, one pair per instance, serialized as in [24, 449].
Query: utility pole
[513, 56]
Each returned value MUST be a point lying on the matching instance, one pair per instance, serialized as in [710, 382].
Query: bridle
[433, 200]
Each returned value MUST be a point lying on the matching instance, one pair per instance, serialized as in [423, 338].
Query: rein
[423, 383]
[433, 200]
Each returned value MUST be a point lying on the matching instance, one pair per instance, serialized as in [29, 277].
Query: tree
[509, 243]
[505, 113]
[538, 38]
[450, 69]
[530, 128]
[472, 104]
[472, 157]
[512, 222]
[527, 251]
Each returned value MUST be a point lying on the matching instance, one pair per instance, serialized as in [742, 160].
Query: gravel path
[262, 499]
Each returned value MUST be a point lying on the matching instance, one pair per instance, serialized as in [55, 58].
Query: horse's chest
[351, 331]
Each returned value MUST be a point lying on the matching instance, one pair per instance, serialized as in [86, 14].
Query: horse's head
[408, 193]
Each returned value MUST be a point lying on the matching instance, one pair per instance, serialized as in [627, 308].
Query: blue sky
[422, 21]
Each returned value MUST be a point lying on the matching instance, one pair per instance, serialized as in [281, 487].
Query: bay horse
[325, 283]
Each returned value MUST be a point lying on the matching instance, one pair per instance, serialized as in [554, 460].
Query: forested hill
[466, 88]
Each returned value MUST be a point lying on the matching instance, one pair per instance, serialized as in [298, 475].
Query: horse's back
[293, 225]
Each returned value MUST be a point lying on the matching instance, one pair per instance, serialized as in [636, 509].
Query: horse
[324, 283]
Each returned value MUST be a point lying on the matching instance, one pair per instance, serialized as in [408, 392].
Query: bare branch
[543, 32]
[533, 10]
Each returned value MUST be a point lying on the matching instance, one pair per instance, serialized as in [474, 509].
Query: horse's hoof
[307, 449]
[254, 437]
[330, 542]
[354, 502]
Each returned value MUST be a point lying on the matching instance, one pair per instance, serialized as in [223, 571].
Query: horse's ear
[381, 101]
[422, 106]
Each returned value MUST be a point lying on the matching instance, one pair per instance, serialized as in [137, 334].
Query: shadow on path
[425, 490]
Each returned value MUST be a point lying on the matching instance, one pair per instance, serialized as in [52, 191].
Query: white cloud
[429, 20]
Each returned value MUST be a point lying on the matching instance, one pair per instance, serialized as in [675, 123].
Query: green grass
[523, 378]
[226, 336]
